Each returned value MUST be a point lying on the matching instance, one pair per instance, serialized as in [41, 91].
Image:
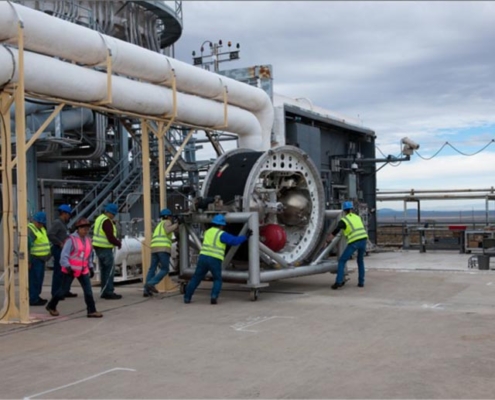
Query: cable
[456, 150]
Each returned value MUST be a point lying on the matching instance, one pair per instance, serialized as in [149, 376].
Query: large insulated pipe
[55, 37]
[70, 119]
[52, 77]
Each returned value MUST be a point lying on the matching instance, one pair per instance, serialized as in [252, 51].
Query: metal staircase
[123, 179]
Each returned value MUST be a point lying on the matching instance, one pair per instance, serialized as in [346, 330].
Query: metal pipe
[275, 275]
[183, 249]
[233, 249]
[254, 250]
[432, 197]
[274, 256]
[412, 192]
[327, 250]
[193, 236]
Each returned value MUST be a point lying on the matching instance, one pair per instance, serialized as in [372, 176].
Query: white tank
[130, 251]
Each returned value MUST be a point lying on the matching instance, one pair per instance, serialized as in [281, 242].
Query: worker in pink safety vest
[77, 262]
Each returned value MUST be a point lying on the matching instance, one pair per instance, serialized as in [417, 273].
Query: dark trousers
[36, 277]
[107, 269]
[205, 264]
[360, 247]
[85, 282]
[57, 270]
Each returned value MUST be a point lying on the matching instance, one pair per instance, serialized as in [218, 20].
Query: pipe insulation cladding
[52, 77]
[58, 38]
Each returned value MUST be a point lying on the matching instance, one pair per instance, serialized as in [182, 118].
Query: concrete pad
[412, 332]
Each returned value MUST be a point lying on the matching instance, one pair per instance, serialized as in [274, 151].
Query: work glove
[91, 273]
[69, 271]
[249, 233]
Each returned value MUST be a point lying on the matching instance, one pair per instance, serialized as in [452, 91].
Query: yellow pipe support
[179, 151]
[22, 212]
[225, 111]
[10, 311]
[40, 130]
[108, 99]
[145, 143]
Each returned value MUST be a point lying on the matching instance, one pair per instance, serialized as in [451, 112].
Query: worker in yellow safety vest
[104, 241]
[39, 254]
[211, 256]
[161, 248]
[356, 236]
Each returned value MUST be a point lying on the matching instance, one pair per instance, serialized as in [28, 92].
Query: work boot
[146, 294]
[336, 286]
[360, 284]
[151, 288]
[52, 311]
[95, 314]
[70, 294]
[39, 302]
[111, 296]
[187, 300]
[213, 301]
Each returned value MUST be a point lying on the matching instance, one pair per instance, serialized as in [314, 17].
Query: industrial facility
[95, 110]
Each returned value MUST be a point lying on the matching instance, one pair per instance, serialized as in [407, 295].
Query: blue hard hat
[165, 213]
[40, 217]
[65, 208]
[347, 205]
[112, 208]
[219, 220]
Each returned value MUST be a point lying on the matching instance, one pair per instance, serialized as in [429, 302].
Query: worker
[39, 254]
[104, 241]
[77, 262]
[161, 247]
[57, 234]
[356, 236]
[211, 256]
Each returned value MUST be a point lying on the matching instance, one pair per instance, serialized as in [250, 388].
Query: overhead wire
[456, 150]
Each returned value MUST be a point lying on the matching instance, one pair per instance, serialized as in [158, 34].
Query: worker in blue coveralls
[356, 236]
[211, 256]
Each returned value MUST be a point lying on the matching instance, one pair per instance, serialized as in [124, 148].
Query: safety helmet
[82, 222]
[112, 208]
[165, 213]
[40, 217]
[347, 205]
[219, 220]
[65, 208]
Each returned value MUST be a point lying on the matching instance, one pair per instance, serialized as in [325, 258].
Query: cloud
[420, 69]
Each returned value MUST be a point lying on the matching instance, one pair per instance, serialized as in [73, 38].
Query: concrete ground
[422, 327]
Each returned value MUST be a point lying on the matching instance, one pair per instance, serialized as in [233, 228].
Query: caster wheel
[253, 295]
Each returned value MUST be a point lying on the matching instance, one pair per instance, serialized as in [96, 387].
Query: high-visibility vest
[212, 246]
[79, 256]
[354, 228]
[160, 236]
[41, 245]
[99, 236]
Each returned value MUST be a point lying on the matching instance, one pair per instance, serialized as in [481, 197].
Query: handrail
[108, 187]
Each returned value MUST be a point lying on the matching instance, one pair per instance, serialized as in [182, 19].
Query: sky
[425, 70]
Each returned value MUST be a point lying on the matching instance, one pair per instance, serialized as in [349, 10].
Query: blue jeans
[107, 269]
[162, 258]
[85, 282]
[57, 270]
[205, 264]
[36, 276]
[360, 246]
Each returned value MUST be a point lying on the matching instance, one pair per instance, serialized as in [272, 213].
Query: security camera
[409, 146]
[354, 166]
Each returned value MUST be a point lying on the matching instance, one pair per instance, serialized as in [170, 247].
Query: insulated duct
[250, 112]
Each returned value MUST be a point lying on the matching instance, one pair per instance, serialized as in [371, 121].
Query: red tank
[273, 236]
